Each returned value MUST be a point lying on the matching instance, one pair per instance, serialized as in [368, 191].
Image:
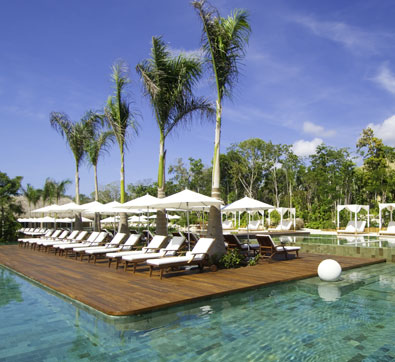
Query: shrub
[232, 259]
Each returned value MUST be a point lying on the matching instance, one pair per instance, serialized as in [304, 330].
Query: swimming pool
[346, 240]
[307, 320]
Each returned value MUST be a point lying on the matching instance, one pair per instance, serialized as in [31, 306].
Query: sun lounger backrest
[254, 224]
[48, 233]
[116, 240]
[93, 236]
[361, 226]
[233, 241]
[202, 247]
[81, 235]
[156, 242]
[100, 238]
[175, 243]
[63, 234]
[350, 227]
[227, 224]
[265, 240]
[391, 227]
[132, 240]
[73, 235]
[56, 233]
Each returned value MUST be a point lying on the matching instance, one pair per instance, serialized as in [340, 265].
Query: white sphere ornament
[329, 270]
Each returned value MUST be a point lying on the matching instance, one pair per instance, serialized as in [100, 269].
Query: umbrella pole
[189, 235]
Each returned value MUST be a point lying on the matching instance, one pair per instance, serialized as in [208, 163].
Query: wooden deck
[116, 292]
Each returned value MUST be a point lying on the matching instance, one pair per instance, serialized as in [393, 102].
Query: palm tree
[60, 188]
[224, 41]
[48, 192]
[96, 143]
[122, 121]
[74, 133]
[32, 195]
[168, 82]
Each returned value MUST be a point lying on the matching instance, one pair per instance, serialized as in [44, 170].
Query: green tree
[376, 164]
[75, 134]
[224, 43]
[122, 121]
[9, 208]
[33, 196]
[168, 83]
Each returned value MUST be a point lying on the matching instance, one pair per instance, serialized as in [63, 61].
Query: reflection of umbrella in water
[187, 200]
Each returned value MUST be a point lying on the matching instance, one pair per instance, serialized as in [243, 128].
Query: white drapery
[282, 211]
[389, 207]
[353, 209]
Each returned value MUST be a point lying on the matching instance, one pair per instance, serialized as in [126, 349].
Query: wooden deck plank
[116, 292]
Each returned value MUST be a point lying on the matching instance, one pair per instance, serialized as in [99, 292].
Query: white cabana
[389, 207]
[282, 211]
[249, 205]
[353, 209]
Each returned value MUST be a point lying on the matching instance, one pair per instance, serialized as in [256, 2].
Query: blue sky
[315, 71]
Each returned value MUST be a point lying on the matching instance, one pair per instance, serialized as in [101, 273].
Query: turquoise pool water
[350, 240]
[308, 320]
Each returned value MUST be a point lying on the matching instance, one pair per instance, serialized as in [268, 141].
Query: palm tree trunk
[96, 220]
[214, 228]
[123, 217]
[78, 221]
[161, 221]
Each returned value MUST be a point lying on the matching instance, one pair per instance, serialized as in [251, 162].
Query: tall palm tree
[74, 133]
[48, 192]
[96, 144]
[122, 121]
[224, 42]
[168, 82]
[32, 195]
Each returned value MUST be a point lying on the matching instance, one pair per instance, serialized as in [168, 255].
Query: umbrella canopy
[69, 207]
[187, 200]
[247, 204]
[111, 219]
[142, 202]
[47, 209]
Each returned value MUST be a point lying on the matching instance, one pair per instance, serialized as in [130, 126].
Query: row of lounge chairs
[266, 247]
[122, 248]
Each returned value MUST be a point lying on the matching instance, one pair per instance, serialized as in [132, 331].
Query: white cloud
[385, 130]
[317, 130]
[349, 36]
[195, 53]
[305, 148]
[386, 79]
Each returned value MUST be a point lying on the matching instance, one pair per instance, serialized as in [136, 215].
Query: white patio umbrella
[247, 204]
[46, 209]
[187, 200]
[143, 203]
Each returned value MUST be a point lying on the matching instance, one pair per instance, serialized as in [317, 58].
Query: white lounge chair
[69, 239]
[227, 225]
[197, 256]
[112, 246]
[252, 226]
[83, 243]
[115, 241]
[79, 239]
[79, 250]
[283, 226]
[52, 239]
[268, 248]
[129, 244]
[33, 242]
[171, 249]
[154, 245]
[390, 229]
[24, 241]
[353, 228]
